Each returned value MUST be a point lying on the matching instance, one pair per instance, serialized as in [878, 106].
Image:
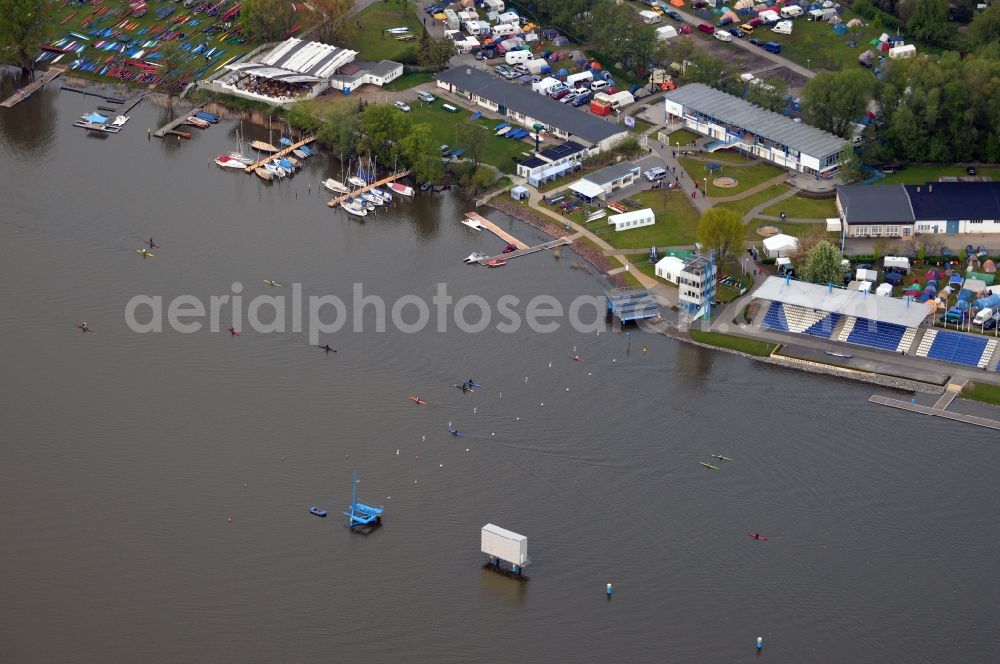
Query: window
[892, 230]
[876, 230]
[975, 221]
[906, 231]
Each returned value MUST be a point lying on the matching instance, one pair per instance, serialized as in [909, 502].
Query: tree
[720, 231]
[382, 128]
[472, 137]
[770, 93]
[822, 264]
[266, 19]
[24, 24]
[306, 115]
[929, 21]
[171, 60]
[339, 129]
[330, 18]
[850, 164]
[420, 152]
[985, 28]
[437, 53]
[832, 101]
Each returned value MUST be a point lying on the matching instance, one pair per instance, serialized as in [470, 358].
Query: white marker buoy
[610, 590]
[466, 449]
[760, 643]
[397, 451]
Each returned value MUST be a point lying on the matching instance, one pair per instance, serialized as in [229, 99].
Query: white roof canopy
[908, 313]
[587, 188]
[780, 241]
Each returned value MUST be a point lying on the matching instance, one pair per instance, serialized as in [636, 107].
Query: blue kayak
[455, 432]
[317, 511]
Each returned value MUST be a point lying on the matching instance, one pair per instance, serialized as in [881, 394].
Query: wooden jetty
[31, 88]
[551, 244]
[938, 409]
[496, 230]
[280, 153]
[334, 202]
[173, 124]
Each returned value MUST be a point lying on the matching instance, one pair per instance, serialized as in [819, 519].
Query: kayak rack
[359, 514]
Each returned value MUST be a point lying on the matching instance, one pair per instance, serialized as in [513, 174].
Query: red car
[559, 95]
[707, 28]
[686, 29]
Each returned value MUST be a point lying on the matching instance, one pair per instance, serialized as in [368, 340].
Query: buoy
[440, 465]
[542, 403]
[397, 451]
[610, 590]
[550, 365]
[466, 449]
[760, 643]
[567, 389]
[229, 519]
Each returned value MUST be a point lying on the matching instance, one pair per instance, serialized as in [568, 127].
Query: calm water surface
[123, 455]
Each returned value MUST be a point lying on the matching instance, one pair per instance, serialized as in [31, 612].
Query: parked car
[736, 32]
[559, 95]
[707, 28]
[569, 96]
[981, 251]
[971, 170]
[674, 14]
[582, 98]
[655, 173]
[401, 106]
[747, 28]
[686, 29]
[757, 42]
[427, 97]
[772, 47]
[722, 35]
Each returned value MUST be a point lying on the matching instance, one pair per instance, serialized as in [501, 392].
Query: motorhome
[783, 27]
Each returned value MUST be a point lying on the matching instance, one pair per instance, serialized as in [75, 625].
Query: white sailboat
[335, 186]
[353, 208]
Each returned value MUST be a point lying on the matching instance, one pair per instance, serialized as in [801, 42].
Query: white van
[518, 57]
[648, 17]
[984, 315]
[783, 27]
[722, 35]
[598, 85]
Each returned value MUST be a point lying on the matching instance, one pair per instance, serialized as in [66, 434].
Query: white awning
[587, 189]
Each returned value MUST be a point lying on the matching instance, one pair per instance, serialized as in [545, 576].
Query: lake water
[155, 487]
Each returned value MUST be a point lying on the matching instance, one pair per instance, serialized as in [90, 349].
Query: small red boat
[496, 262]
[509, 248]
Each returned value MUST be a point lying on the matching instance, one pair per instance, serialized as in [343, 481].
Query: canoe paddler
[327, 348]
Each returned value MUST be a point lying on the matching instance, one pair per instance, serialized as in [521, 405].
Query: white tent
[666, 32]
[854, 23]
[634, 219]
[669, 268]
[743, 4]
[587, 190]
[780, 245]
[884, 289]
[900, 52]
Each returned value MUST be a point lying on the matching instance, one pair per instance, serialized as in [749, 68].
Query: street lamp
[808, 60]
[705, 193]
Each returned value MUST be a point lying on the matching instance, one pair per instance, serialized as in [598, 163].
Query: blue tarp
[95, 117]
[476, 116]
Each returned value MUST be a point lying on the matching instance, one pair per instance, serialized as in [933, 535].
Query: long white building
[736, 123]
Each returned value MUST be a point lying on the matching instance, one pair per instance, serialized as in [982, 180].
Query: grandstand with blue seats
[958, 348]
[885, 323]
[877, 334]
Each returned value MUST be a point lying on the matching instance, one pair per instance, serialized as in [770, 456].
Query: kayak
[272, 282]
[317, 511]
[152, 245]
[83, 328]
[720, 457]
[577, 358]
[465, 388]
[708, 465]
[144, 253]
[455, 432]
[327, 348]
[233, 331]
[758, 536]
[469, 383]
[418, 401]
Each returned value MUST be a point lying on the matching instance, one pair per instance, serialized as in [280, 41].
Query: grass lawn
[369, 41]
[746, 176]
[814, 44]
[683, 137]
[640, 127]
[676, 223]
[800, 207]
[751, 346]
[409, 80]
[795, 229]
[497, 150]
[982, 392]
[922, 174]
[744, 205]
[81, 19]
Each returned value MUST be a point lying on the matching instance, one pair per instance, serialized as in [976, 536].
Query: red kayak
[418, 401]
[233, 331]
[757, 536]
[577, 358]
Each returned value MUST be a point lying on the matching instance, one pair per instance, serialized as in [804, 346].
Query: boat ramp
[31, 88]
[171, 127]
[334, 202]
[496, 230]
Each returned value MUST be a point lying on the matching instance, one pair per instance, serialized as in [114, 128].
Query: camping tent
[854, 23]
[560, 41]
[989, 267]
[834, 20]
[743, 4]
[731, 16]
[780, 245]
[840, 29]
[866, 58]
[550, 33]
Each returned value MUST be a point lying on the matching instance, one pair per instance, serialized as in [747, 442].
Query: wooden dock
[938, 409]
[31, 88]
[386, 180]
[173, 124]
[499, 232]
[551, 244]
[280, 153]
